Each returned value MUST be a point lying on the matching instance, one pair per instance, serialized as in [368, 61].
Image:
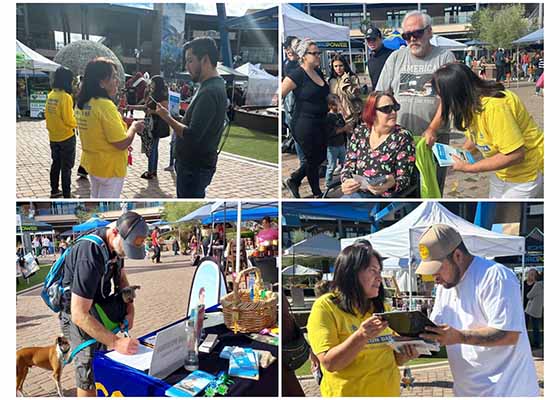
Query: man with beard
[200, 131]
[91, 270]
[408, 73]
[479, 312]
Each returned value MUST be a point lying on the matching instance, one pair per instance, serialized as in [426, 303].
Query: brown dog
[50, 357]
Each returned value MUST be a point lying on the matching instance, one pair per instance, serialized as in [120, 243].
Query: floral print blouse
[395, 156]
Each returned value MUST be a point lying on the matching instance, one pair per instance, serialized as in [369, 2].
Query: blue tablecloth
[116, 379]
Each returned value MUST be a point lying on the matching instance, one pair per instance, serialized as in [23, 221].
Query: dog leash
[89, 342]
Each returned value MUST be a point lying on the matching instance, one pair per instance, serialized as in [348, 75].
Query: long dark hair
[349, 295]
[461, 90]
[97, 70]
[342, 59]
[63, 78]
[160, 91]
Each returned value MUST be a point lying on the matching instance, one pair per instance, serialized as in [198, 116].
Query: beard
[455, 277]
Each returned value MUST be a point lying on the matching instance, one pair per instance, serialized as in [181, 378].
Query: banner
[172, 38]
[37, 100]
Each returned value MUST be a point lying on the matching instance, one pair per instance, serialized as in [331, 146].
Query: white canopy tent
[449, 44]
[32, 60]
[299, 270]
[318, 245]
[401, 239]
[262, 86]
[299, 24]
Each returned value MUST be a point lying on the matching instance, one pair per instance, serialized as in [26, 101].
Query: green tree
[172, 211]
[83, 213]
[499, 26]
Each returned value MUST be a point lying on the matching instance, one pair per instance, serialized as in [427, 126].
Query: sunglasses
[417, 34]
[388, 108]
[314, 53]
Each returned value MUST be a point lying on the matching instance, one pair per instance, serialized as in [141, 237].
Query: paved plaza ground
[33, 161]
[162, 299]
[457, 184]
[433, 381]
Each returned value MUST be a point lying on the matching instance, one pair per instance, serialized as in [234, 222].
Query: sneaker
[171, 168]
[292, 187]
[147, 175]
[56, 195]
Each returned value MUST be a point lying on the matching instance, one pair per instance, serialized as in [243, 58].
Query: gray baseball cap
[133, 229]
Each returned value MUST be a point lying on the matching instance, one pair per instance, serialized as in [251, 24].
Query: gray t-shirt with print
[410, 79]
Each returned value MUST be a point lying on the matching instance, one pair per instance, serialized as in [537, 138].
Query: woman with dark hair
[379, 151]
[344, 83]
[155, 127]
[59, 115]
[495, 122]
[103, 133]
[343, 327]
[309, 115]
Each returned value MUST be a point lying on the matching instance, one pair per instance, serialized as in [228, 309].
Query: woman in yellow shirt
[497, 123]
[343, 330]
[103, 133]
[59, 115]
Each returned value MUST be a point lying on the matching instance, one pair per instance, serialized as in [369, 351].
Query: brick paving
[429, 381]
[33, 161]
[457, 184]
[162, 299]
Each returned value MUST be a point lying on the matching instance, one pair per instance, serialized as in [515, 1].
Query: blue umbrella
[91, 223]
[394, 41]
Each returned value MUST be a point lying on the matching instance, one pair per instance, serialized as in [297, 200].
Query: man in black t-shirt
[200, 131]
[90, 280]
[378, 54]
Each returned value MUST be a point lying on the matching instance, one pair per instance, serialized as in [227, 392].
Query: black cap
[373, 33]
[130, 226]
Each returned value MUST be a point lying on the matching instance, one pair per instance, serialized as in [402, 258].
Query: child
[336, 140]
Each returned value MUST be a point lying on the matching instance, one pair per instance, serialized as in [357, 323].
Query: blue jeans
[192, 182]
[334, 154]
[536, 328]
[153, 158]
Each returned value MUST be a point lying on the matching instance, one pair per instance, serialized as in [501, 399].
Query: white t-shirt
[488, 295]
[46, 242]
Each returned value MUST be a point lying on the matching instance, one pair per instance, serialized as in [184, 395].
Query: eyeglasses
[314, 53]
[388, 108]
[417, 34]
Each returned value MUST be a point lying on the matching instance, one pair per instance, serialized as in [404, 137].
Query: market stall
[245, 318]
[400, 240]
[32, 81]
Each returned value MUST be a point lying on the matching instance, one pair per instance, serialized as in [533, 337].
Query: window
[349, 19]
[458, 14]
[395, 17]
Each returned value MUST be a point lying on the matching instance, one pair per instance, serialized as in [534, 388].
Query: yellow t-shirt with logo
[373, 372]
[59, 116]
[100, 125]
[504, 125]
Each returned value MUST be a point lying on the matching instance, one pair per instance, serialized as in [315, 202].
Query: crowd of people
[94, 112]
[479, 315]
[378, 146]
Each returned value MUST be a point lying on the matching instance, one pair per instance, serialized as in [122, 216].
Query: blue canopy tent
[246, 215]
[532, 37]
[394, 41]
[90, 224]
[360, 212]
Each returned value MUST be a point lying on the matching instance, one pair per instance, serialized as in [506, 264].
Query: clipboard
[407, 323]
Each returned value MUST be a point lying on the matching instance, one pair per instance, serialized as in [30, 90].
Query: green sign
[333, 45]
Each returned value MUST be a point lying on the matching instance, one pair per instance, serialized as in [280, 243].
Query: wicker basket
[245, 316]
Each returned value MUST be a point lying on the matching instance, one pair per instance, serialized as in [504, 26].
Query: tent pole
[350, 55]
[523, 276]
[238, 239]
[410, 260]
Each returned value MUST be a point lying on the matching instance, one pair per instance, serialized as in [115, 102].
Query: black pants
[157, 254]
[192, 182]
[63, 155]
[500, 73]
[310, 133]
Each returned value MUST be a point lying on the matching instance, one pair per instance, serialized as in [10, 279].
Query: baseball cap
[132, 227]
[435, 244]
[373, 33]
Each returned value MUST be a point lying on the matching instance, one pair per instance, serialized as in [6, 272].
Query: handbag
[295, 352]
